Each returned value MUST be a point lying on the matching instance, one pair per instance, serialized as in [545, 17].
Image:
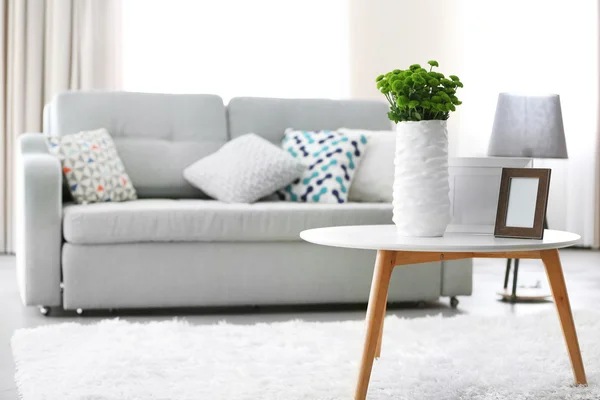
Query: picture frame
[522, 203]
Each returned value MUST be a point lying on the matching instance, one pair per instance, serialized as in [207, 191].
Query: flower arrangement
[416, 94]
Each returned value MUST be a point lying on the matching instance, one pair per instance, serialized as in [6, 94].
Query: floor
[582, 273]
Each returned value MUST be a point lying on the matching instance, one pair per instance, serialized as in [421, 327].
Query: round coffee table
[394, 250]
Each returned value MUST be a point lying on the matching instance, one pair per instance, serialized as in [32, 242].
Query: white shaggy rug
[463, 357]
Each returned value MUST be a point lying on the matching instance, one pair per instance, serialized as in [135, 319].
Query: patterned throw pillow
[331, 158]
[92, 167]
[244, 170]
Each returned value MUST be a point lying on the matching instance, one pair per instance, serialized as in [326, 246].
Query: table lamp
[527, 126]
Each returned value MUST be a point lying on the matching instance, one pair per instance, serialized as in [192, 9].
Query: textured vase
[421, 188]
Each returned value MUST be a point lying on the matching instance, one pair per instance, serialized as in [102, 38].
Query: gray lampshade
[528, 126]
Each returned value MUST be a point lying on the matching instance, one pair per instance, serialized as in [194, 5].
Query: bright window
[271, 48]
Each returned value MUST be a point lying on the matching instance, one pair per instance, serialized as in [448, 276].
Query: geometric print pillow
[331, 159]
[92, 167]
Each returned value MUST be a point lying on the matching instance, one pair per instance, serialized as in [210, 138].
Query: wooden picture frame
[522, 203]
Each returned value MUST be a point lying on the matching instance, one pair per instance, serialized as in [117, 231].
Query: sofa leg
[79, 311]
[453, 302]
[45, 310]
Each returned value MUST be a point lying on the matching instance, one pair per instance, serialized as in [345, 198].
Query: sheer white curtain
[292, 48]
[537, 46]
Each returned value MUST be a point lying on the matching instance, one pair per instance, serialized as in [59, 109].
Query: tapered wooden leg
[561, 299]
[378, 351]
[375, 313]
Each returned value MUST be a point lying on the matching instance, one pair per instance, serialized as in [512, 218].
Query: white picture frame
[474, 191]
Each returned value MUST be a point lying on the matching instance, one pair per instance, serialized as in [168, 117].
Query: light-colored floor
[582, 273]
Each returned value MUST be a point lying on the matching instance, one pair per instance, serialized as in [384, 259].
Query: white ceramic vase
[421, 188]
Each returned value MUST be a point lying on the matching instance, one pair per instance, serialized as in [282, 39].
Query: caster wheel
[453, 302]
[45, 311]
[79, 311]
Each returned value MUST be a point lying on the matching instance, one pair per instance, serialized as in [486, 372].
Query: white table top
[384, 237]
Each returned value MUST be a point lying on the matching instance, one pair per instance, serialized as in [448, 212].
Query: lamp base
[525, 295]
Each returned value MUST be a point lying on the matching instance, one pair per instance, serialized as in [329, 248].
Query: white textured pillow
[244, 170]
[375, 176]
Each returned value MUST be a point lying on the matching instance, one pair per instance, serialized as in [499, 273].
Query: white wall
[495, 46]
[537, 46]
[390, 34]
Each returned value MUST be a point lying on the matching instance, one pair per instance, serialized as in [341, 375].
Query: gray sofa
[176, 248]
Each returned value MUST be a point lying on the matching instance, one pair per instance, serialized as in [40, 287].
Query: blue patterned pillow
[331, 159]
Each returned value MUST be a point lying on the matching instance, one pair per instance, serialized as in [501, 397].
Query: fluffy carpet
[463, 357]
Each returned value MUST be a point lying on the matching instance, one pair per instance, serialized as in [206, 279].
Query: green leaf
[417, 116]
[413, 103]
[403, 100]
[433, 63]
[380, 77]
[454, 78]
[414, 67]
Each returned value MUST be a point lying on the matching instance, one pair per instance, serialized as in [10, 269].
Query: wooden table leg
[556, 278]
[375, 313]
[378, 351]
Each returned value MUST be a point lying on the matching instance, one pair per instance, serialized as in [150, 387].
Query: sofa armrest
[38, 221]
[457, 277]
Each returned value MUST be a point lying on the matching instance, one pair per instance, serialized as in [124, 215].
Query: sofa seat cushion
[165, 220]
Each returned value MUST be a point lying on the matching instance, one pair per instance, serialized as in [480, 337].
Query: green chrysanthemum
[416, 94]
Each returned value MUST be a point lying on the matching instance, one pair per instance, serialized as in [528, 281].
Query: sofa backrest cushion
[270, 118]
[157, 135]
